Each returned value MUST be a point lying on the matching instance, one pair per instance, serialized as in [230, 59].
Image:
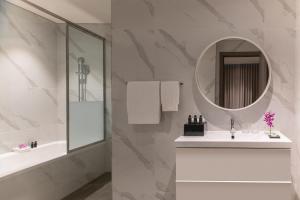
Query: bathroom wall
[297, 100]
[32, 78]
[61, 81]
[162, 40]
[58, 178]
[33, 106]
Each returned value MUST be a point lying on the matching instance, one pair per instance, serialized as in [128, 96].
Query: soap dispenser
[190, 119]
[200, 119]
[195, 127]
[195, 119]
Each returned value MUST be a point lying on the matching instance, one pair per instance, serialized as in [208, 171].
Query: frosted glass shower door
[86, 89]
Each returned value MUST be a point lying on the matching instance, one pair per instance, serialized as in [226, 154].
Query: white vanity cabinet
[218, 168]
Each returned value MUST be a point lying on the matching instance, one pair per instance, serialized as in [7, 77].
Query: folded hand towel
[170, 95]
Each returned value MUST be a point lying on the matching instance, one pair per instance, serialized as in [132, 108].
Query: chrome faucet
[232, 129]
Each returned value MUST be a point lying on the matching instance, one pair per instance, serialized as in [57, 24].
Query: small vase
[273, 135]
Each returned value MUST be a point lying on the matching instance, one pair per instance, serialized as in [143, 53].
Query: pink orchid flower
[269, 118]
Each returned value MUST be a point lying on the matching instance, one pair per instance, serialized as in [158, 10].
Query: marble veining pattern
[217, 14]
[28, 54]
[141, 51]
[160, 46]
[259, 34]
[259, 8]
[150, 6]
[148, 165]
[58, 178]
[9, 122]
[19, 68]
[168, 37]
[169, 44]
[287, 8]
[292, 32]
[16, 28]
[51, 96]
[31, 122]
[33, 106]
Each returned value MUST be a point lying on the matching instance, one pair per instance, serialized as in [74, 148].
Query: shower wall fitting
[83, 71]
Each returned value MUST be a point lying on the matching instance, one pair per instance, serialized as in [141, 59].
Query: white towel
[143, 102]
[169, 95]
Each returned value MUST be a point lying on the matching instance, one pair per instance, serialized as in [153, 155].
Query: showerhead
[86, 69]
[81, 60]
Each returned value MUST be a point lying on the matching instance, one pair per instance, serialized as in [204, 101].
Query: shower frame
[84, 30]
[87, 31]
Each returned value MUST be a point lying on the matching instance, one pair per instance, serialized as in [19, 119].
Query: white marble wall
[297, 100]
[61, 81]
[33, 106]
[58, 178]
[161, 40]
[32, 79]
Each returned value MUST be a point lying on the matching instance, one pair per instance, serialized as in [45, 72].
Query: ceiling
[77, 11]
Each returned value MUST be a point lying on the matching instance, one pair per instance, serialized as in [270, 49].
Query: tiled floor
[99, 189]
[104, 193]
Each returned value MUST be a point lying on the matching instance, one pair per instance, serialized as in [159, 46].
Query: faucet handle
[232, 129]
[232, 122]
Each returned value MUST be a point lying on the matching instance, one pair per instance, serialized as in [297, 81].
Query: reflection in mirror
[232, 73]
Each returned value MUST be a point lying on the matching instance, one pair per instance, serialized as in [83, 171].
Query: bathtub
[16, 161]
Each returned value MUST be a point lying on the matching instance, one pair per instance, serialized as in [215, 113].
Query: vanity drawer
[233, 191]
[226, 164]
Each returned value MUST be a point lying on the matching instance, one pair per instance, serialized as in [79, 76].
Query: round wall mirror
[233, 73]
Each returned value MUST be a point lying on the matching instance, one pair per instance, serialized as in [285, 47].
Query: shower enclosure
[53, 90]
[55, 93]
[86, 95]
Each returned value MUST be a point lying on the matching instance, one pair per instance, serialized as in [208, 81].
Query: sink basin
[222, 139]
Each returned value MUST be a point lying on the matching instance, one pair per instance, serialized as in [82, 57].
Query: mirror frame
[235, 109]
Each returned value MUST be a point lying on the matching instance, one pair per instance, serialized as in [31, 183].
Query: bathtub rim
[66, 154]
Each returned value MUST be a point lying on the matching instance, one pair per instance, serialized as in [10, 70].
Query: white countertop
[222, 139]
